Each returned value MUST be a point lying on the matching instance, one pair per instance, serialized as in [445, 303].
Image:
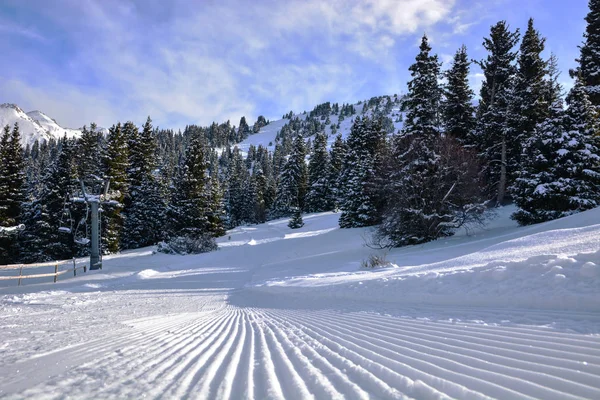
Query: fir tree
[12, 190]
[422, 102]
[528, 106]
[144, 205]
[187, 211]
[216, 206]
[319, 197]
[236, 196]
[291, 191]
[43, 239]
[144, 225]
[589, 59]
[491, 136]
[360, 198]
[89, 155]
[458, 110]
[429, 173]
[296, 221]
[561, 175]
[116, 163]
[243, 130]
[336, 156]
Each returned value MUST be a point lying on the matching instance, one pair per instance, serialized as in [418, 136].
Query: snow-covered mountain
[51, 126]
[34, 125]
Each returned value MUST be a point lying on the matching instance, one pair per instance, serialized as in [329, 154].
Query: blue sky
[184, 61]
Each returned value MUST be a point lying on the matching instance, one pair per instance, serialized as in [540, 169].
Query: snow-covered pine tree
[414, 213]
[296, 221]
[589, 59]
[537, 191]
[236, 196]
[145, 220]
[187, 211]
[292, 187]
[319, 197]
[89, 154]
[359, 197]
[12, 190]
[336, 157]
[243, 130]
[216, 206]
[562, 175]
[145, 205]
[116, 164]
[458, 109]
[528, 104]
[42, 240]
[491, 134]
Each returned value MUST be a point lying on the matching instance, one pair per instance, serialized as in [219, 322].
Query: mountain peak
[34, 125]
[12, 106]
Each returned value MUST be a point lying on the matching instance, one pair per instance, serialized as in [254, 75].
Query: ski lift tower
[94, 201]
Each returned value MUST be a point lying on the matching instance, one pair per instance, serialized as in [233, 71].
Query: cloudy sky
[185, 61]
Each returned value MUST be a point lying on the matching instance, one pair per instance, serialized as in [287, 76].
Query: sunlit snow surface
[504, 312]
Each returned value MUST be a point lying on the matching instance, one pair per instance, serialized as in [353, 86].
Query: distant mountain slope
[34, 125]
[267, 136]
[31, 130]
[50, 125]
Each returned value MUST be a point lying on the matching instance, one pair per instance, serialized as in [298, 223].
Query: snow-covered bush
[188, 245]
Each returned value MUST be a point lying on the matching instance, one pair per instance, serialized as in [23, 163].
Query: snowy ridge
[285, 314]
[35, 125]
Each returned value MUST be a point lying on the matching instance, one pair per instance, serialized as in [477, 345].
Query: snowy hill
[35, 125]
[505, 312]
[267, 134]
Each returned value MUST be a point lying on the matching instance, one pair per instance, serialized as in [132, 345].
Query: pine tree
[189, 203]
[12, 190]
[144, 205]
[296, 221]
[458, 109]
[144, 225]
[336, 156]
[561, 176]
[236, 196]
[216, 207]
[429, 173]
[51, 210]
[89, 155]
[319, 197]
[422, 102]
[292, 187]
[491, 134]
[589, 59]
[116, 164]
[359, 197]
[243, 130]
[529, 104]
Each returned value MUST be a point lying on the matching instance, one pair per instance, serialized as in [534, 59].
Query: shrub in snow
[375, 261]
[188, 245]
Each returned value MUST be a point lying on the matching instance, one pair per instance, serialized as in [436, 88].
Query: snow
[35, 125]
[499, 312]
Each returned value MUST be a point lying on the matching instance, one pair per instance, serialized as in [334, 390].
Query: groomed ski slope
[505, 312]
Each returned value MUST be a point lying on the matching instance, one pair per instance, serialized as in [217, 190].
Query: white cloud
[221, 60]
